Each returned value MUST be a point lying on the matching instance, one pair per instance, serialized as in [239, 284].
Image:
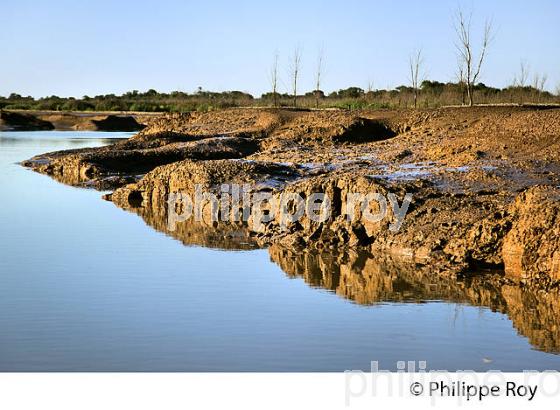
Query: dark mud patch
[365, 130]
[118, 123]
[13, 121]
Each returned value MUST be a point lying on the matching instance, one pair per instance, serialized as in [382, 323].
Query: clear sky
[76, 48]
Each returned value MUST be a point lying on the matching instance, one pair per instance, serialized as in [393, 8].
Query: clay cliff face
[532, 247]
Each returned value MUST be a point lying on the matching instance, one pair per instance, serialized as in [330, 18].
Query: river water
[86, 286]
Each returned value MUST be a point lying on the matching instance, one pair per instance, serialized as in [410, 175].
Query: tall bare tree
[369, 90]
[544, 77]
[318, 75]
[471, 63]
[294, 71]
[521, 79]
[274, 79]
[461, 80]
[415, 64]
[538, 84]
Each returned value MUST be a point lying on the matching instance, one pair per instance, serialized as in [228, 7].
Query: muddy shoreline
[485, 182]
[24, 120]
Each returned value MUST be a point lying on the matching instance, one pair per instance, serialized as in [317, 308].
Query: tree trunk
[470, 94]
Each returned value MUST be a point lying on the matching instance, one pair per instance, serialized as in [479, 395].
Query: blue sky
[75, 48]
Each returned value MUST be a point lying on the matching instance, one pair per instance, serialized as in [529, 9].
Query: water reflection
[225, 236]
[359, 277]
[16, 140]
[368, 279]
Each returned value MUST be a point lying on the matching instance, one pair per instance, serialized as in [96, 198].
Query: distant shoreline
[32, 120]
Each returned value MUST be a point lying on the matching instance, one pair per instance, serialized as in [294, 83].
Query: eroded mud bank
[70, 121]
[484, 181]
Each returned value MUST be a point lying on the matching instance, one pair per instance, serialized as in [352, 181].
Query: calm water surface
[86, 286]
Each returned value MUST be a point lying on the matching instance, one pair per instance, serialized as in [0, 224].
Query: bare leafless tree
[544, 77]
[538, 85]
[294, 71]
[318, 76]
[521, 79]
[369, 92]
[274, 79]
[415, 64]
[461, 80]
[471, 64]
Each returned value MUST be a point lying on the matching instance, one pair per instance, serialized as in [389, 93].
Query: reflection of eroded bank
[369, 279]
[535, 315]
[366, 279]
[215, 235]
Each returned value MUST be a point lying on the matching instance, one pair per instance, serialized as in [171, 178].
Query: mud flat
[484, 183]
